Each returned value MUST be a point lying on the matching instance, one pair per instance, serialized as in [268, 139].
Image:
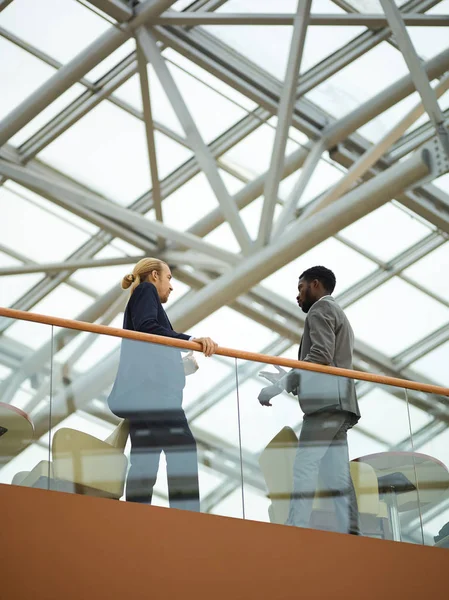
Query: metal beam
[4, 4]
[298, 189]
[341, 129]
[391, 269]
[108, 209]
[116, 9]
[151, 144]
[284, 119]
[170, 256]
[417, 71]
[91, 263]
[373, 154]
[201, 150]
[303, 236]
[427, 200]
[70, 73]
[372, 21]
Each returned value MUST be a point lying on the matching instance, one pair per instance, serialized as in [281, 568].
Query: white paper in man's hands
[190, 364]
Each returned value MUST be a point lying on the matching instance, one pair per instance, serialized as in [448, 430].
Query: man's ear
[155, 274]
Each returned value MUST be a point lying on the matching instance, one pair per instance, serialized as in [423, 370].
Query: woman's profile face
[162, 282]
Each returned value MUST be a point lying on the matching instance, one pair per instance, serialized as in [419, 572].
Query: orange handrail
[222, 351]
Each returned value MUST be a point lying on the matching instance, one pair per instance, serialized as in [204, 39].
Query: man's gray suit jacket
[328, 339]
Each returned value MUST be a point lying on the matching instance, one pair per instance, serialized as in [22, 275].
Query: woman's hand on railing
[208, 345]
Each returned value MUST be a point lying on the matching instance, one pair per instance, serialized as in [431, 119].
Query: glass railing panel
[429, 446]
[310, 461]
[131, 421]
[380, 440]
[25, 391]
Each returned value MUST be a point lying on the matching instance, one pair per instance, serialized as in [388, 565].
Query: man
[148, 392]
[329, 404]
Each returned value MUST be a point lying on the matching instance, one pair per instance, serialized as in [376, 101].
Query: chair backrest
[276, 463]
[88, 463]
[119, 436]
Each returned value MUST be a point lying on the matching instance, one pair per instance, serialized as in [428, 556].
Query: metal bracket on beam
[436, 156]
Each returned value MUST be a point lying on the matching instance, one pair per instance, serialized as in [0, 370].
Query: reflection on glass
[119, 429]
[314, 466]
[430, 461]
[386, 419]
[24, 408]
[323, 465]
[148, 393]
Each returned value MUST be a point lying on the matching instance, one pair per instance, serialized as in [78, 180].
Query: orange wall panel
[58, 546]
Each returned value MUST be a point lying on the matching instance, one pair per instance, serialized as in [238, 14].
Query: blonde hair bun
[128, 280]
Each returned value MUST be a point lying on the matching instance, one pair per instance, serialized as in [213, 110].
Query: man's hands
[280, 381]
[274, 377]
[267, 393]
[208, 345]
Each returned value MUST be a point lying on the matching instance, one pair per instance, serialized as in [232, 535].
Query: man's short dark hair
[325, 276]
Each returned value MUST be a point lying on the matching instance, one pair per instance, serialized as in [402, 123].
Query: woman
[148, 392]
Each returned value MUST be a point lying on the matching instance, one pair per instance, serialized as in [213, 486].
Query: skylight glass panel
[349, 267]
[429, 41]
[378, 127]
[107, 150]
[41, 236]
[386, 232]
[13, 287]
[223, 237]
[261, 6]
[395, 316]
[323, 42]
[209, 79]
[76, 28]
[244, 333]
[360, 80]
[192, 201]
[161, 108]
[189, 203]
[48, 114]
[256, 42]
[434, 365]
[431, 270]
[443, 102]
[213, 113]
[101, 279]
[253, 153]
[367, 6]
[251, 216]
[324, 177]
[49, 207]
[34, 73]
[112, 60]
